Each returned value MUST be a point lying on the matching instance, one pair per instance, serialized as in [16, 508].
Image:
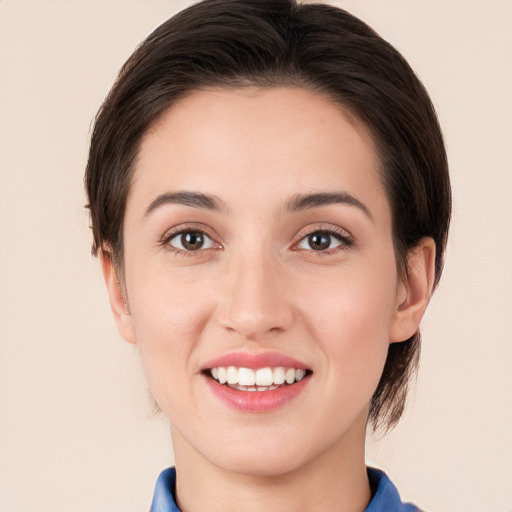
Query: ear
[116, 294]
[415, 291]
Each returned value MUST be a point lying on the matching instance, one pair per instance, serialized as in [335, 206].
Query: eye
[321, 241]
[191, 241]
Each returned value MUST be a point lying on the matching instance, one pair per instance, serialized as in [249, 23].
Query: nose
[254, 297]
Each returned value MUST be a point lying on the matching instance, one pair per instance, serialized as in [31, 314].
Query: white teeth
[290, 376]
[232, 375]
[262, 379]
[246, 377]
[279, 375]
[222, 375]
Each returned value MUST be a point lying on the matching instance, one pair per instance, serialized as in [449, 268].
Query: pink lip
[254, 361]
[256, 401]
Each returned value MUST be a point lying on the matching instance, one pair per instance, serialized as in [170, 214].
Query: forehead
[242, 143]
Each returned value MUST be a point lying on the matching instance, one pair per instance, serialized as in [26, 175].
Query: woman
[270, 202]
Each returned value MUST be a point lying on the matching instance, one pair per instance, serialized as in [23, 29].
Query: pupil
[319, 241]
[192, 241]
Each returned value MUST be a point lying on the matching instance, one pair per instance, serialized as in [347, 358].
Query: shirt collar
[163, 499]
[385, 496]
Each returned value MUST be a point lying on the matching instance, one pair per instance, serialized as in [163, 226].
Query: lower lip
[256, 401]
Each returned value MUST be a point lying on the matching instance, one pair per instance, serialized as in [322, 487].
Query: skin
[259, 286]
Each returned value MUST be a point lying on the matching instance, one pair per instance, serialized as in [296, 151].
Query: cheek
[351, 302]
[168, 316]
[349, 316]
[167, 305]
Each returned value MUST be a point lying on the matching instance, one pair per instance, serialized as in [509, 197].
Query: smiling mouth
[261, 379]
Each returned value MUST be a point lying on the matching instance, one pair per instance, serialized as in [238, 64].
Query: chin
[262, 464]
[270, 454]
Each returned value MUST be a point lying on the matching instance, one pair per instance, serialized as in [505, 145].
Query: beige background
[76, 432]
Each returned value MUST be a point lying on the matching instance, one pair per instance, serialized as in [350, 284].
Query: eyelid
[209, 242]
[346, 238]
[188, 227]
[338, 232]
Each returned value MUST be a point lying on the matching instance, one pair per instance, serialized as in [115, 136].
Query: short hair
[269, 43]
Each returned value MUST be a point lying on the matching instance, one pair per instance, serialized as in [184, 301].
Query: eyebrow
[301, 202]
[193, 199]
[298, 202]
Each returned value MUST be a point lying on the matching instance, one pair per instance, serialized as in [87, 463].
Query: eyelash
[170, 235]
[344, 238]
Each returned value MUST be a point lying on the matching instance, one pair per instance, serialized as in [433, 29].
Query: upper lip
[254, 361]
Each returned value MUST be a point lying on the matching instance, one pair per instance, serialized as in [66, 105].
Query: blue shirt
[385, 497]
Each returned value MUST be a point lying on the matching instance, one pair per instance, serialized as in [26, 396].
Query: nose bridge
[253, 303]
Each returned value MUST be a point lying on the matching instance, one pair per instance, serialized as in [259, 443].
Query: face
[259, 277]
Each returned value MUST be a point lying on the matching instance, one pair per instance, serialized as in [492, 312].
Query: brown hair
[235, 43]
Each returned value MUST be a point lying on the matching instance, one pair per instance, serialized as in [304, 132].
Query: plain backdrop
[76, 427]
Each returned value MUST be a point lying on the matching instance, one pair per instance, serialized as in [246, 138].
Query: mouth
[256, 383]
[256, 379]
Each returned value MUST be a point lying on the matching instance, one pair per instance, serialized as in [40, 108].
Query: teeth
[232, 375]
[262, 379]
[222, 373]
[246, 377]
[299, 375]
[279, 375]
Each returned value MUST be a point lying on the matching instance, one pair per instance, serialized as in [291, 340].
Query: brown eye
[191, 241]
[320, 241]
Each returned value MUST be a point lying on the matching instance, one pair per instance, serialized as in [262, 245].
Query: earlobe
[414, 293]
[118, 303]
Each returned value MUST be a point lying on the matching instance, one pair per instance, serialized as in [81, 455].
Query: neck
[335, 480]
